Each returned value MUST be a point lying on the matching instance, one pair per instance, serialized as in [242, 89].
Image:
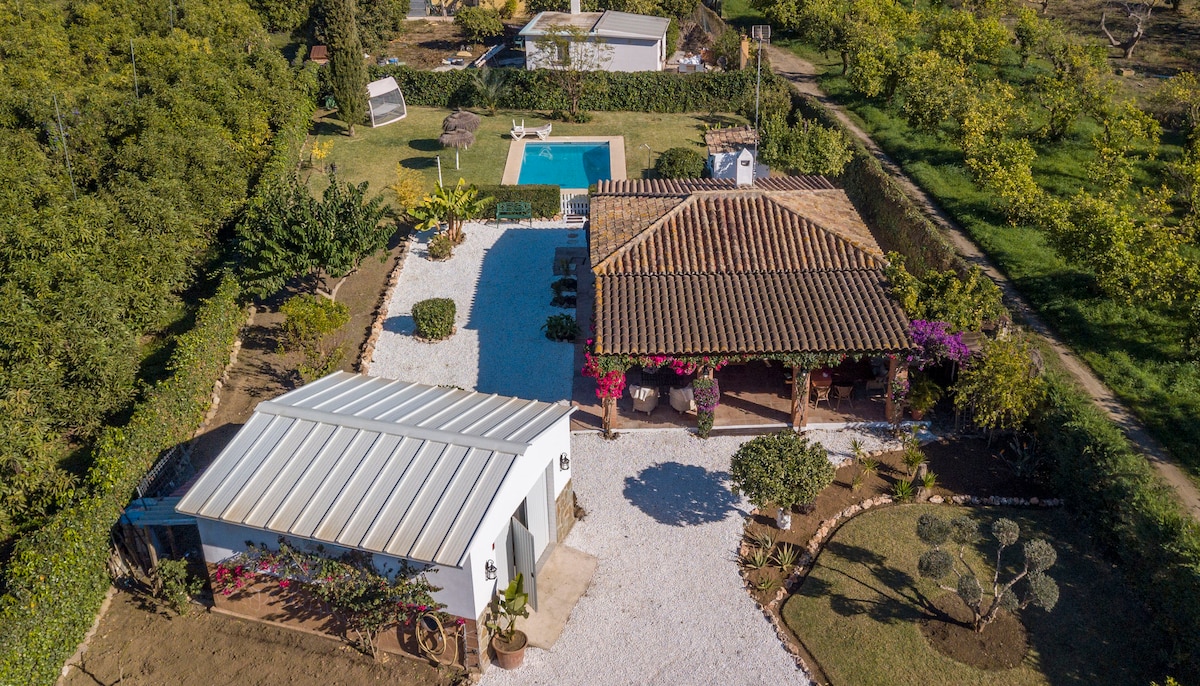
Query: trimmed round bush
[680, 163]
[434, 318]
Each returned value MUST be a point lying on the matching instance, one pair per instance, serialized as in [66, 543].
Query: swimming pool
[569, 165]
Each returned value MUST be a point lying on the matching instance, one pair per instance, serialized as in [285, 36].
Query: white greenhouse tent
[476, 486]
[386, 102]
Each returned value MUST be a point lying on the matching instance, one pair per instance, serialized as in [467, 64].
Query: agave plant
[857, 449]
[903, 491]
[870, 466]
[763, 540]
[913, 457]
[929, 481]
[857, 482]
[786, 556]
[757, 559]
[766, 584]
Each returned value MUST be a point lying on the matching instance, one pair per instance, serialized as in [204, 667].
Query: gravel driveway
[666, 605]
[500, 281]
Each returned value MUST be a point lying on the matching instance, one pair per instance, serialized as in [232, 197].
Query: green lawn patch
[372, 155]
[858, 611]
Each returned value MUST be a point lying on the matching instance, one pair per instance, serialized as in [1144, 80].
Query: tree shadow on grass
[680, 495]
[425, 144]
[890, 595]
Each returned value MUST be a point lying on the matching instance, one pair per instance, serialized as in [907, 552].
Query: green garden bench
[514, 210]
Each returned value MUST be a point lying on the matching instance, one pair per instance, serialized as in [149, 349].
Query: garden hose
[438, 630]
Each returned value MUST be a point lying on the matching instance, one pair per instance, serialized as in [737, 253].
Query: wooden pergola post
[889, 407]
[800, 381]
[608, 408]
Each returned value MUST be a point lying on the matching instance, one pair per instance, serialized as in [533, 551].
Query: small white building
[618, 41]
[468, 484]
[732, 155]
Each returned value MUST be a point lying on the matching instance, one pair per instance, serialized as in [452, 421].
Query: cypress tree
[347, 69]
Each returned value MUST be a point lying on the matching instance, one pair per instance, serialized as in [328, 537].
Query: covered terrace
[775, 290]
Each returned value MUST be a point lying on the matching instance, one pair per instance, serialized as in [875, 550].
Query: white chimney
[744, 168]
[574, 7]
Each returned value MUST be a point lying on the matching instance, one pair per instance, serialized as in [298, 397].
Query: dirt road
[802, 75]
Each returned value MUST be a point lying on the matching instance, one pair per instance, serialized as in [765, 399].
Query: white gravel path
[667, 604]
[500, 281]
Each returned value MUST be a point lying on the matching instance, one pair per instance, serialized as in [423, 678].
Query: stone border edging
[367, 352]
[829, 526]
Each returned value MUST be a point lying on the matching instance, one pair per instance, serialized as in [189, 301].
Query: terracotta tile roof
[681, 187]
[730, 139]
[682, 314]
[739, 231]
[702, 267]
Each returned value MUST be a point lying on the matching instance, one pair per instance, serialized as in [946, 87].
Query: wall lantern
[564, 462]
[489, 570]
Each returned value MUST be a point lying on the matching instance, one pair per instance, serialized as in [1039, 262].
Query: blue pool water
[569, 165]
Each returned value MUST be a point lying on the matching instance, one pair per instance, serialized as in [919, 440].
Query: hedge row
[57, 577]
[898, 222]
[545, 201]
[524, 89]
[1129, 513]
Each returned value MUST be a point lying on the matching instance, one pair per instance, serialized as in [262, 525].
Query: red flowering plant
[707, 395]
[366, 600]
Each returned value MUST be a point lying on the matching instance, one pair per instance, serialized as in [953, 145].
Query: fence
[574, 201]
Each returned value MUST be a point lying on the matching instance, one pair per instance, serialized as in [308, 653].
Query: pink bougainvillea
[936, 344]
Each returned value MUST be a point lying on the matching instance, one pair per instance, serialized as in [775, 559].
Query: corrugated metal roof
[627, 25]
[374, 464]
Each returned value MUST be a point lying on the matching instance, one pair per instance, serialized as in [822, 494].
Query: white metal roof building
[404, 470]
[622, 41]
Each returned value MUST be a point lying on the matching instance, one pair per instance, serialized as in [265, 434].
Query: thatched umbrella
[457, 139]
[461, 120]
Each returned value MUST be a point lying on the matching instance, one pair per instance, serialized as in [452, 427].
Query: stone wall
[565, 506]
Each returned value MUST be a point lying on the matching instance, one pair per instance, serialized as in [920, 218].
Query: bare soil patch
[1003, 644]
[424, 44]
[140, 643]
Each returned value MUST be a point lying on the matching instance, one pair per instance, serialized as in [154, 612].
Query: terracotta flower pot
[917, 415]
[510, 654]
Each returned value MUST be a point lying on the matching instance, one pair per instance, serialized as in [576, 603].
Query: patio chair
[645, 398]
[543, 132]
[518, 130]
[822, 393]
[844, 393]
[879, 383]
[683, 400]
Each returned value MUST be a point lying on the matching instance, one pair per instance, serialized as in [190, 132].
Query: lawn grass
[372, 155]
[1136, 350]
[856, 612]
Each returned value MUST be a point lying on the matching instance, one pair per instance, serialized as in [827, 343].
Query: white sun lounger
[519, 131]
[543, 132]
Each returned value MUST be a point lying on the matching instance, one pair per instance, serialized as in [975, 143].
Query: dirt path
[802, 75]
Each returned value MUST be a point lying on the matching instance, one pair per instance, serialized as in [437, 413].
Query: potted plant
[509, 642]
[923, 394]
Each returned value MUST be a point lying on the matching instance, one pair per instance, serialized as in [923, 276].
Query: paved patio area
[666, 605]
[500, 281]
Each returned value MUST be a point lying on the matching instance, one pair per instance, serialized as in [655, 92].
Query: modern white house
[732, 154]
[617, 41]
[471, 485]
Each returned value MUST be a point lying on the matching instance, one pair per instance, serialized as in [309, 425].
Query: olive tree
[937, 564]
[783, 469]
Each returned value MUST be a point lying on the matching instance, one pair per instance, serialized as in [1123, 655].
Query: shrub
[1000, 387]
[309, 321]
[561, 327]
[680, 163]
[440, 247]
[409, 187]
[509, 10]
[434, 318]
[479, 23]
[707, 395]
[176, 586]
[783, 469]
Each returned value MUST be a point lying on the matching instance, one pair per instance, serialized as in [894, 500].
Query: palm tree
[451, 205]
[489, 86]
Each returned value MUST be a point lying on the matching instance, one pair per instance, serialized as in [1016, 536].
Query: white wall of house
[618, 54]
[464, 590]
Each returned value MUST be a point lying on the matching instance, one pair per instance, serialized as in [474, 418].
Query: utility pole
[133, 58]
[761, 34]
[62, 138]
